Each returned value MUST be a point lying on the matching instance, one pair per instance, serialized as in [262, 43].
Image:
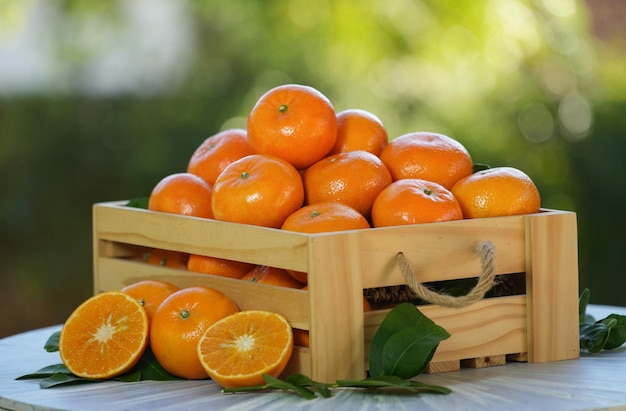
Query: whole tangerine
[414, 201]
[294, 122]
[216, 152]
[353, 178]
[263, 274]
[182, 193]
[258, 189]
[325, 217]
[218, 266]
[498, 191]
[427, 156]
[150, 293]
[359, 129]
[168, 258]
[179, 322]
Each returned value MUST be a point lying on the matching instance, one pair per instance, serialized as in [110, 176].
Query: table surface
[593, 382]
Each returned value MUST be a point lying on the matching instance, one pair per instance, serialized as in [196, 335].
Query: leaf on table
[583, 301]
[52, 344]
[593, 337]
[272, 383]
[151, 369]
[45, 372]
[394, 382]
[134, 375]
[404, 343]
[304, 381]
[61, 378]
[617, 331]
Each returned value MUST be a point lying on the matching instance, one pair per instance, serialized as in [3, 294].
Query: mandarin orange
[498, 191]
[427, 156]
[414, 201]
[359, 130]
[182, 193]
[218, 266]
[259, 190]
[353, 178]
[325, 217]
[216, 152]
[168, 258]
[150, 293]
[263, 274]
[180, 321]
[294, 122]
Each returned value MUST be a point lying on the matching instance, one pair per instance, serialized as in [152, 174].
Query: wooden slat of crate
[239, 242]
[336, 298]
[552, 287]
[442, 251]
[493, 326]
[116, 273]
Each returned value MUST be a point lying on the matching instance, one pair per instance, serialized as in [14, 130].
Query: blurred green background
[100, 100]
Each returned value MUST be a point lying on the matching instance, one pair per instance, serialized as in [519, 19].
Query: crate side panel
[493, 326]
[441, 251]
[241, 242]
[300, 362]
[116, 273]
[336, 298]
[552, 287]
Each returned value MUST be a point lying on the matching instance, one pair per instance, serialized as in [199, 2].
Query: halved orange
[105, 336]
[237, 350]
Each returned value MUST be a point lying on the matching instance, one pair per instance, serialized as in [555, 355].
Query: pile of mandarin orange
[298, 166]
[301, 166]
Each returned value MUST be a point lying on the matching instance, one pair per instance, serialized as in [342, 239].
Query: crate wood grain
[540, 326]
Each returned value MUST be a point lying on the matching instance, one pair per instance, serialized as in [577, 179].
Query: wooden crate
[540, 326]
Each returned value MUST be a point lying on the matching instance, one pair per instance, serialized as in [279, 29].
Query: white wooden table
[593, 382]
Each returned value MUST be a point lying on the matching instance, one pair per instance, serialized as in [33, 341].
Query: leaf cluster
[605, 334]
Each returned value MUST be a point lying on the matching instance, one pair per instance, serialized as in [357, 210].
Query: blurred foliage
[520, 83]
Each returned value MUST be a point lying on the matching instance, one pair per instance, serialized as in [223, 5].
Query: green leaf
[134, 375]
[593, 337]
[617, 331]
[52, 344]
[140, 202]
[606, 334]
[404, 343]
[45, 372]
[272, 383]
[394, 383]
[479, 167]
[61, 378]
[304, 381]
[407, 352]
[151, 369]
[583, 301]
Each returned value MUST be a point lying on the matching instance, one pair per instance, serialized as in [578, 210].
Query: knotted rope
[486, 251]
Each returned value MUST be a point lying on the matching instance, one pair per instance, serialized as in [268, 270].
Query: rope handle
[486, 251]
